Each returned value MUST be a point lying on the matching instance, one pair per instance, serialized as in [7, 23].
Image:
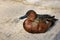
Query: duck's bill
[22, 17]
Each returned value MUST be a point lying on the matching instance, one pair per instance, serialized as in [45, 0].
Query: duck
[37, 23]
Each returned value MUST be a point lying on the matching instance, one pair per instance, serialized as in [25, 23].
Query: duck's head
[31, 14]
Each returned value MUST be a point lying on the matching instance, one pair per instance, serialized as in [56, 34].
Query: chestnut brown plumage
[36, 23]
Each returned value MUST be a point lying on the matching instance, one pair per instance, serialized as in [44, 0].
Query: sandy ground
[11, 10]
